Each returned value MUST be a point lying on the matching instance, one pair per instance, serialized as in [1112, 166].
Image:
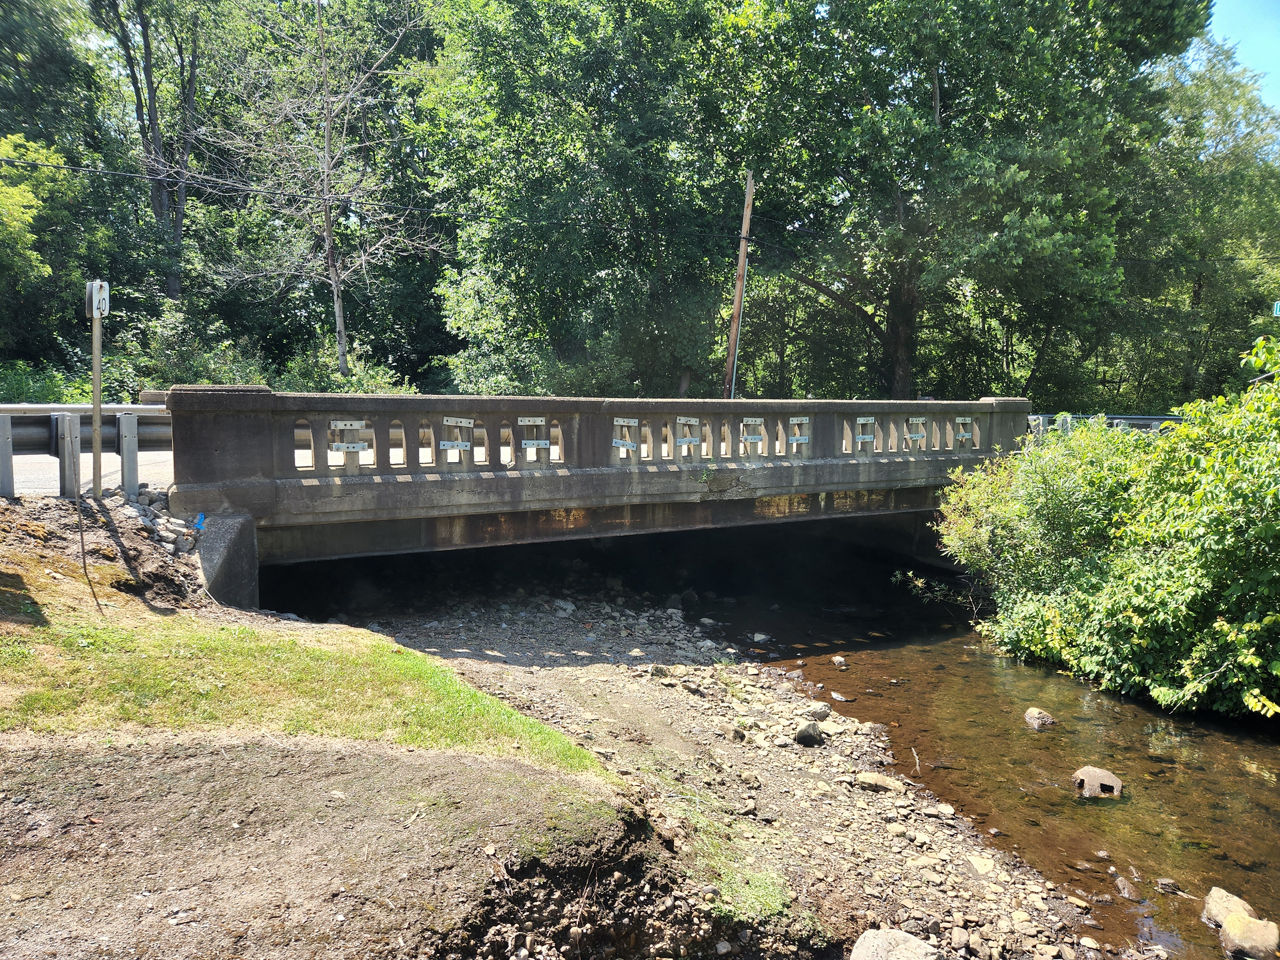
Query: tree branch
[867, 317]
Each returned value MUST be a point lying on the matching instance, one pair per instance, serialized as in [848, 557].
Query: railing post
[6, 456]
[1008, 422]
[127, 448]
[66, 438]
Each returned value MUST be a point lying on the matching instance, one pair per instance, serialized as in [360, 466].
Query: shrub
[1148, 563]
[316, 371]
[20, 382]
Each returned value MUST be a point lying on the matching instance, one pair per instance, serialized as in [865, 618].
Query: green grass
[180, 671]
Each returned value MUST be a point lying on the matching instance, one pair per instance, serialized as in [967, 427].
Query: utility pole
[731, 361]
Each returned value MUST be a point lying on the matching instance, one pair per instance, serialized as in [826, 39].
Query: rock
[982, 865]
[891, 945]
[809, 735]
[819, 711]
[838, 698]
[1246, 936]
[959, 938]
[1096, 782]
[1037, 718]
[723, 947]
[760, 637]
[879, 783]
[1218, 905]
[839, 663]
[1167, 885]
[1127, 890]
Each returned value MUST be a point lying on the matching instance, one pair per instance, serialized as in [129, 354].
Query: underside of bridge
[293, 544]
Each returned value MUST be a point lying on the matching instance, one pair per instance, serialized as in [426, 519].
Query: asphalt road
[36, 475]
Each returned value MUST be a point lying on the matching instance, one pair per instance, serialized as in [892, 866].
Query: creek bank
[710, 743]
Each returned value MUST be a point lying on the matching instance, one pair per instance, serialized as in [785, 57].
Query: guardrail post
[127, 448]
[66, 438]
[6, 456]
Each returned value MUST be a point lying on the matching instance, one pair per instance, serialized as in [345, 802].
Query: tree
[301, 134]
[597, 229]
[927, 160]
[158, 42]
[47, 91]
[1200, 224]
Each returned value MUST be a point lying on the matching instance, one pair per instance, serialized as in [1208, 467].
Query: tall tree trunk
[160, 168]
[326, 174]
[900, 337]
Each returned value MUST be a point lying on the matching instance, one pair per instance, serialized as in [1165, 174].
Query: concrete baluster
[382, 444]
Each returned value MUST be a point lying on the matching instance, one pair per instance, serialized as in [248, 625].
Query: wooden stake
[731, 361]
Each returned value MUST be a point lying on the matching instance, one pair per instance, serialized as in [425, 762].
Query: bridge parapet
[328, 475]
[234, 433]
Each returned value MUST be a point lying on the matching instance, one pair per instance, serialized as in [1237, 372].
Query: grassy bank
[65, 668]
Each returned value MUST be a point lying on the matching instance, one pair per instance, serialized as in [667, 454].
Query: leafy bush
[316, 371]
[1149, 563]
[20, 382]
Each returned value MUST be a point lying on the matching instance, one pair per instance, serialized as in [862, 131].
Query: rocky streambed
[778, 802]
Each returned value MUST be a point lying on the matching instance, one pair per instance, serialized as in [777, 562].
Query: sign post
[97, 303]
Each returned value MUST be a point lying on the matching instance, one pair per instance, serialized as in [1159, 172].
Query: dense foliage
[1150, 563]
[1070, 201]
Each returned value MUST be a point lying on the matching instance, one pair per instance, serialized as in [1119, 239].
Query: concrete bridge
[286, 478]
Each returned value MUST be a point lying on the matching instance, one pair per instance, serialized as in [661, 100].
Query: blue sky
[1253, 28]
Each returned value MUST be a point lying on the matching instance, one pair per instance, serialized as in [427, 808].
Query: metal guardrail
[1039, 423]
[59, 430]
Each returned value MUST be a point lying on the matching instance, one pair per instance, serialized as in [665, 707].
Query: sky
[1253, 28]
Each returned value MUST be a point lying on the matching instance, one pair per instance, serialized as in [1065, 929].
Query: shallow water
[1201, 802]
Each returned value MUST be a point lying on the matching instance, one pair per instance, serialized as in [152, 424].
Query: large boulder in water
[1037, 718]
[1096, 782]
[1246, 937]
[1218, 905]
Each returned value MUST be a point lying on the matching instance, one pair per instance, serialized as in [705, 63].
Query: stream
[1200, 805]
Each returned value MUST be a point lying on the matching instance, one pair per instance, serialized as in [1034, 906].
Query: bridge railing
[236, 433]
